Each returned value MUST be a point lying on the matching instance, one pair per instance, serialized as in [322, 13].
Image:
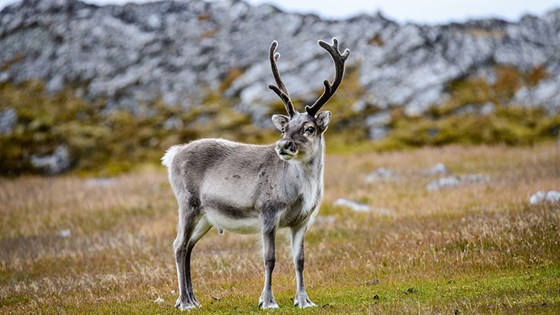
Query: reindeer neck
[314, 167]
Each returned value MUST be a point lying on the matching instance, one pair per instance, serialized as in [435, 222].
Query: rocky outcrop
[134, 54]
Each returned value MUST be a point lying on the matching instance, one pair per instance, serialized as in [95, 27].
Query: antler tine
[280, 89]
[339, 60]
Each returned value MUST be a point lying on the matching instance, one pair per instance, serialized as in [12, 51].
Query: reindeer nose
[286, 145]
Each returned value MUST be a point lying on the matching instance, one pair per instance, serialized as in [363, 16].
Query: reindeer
[248, 188]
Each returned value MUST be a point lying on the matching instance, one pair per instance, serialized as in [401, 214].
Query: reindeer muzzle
[286, 149]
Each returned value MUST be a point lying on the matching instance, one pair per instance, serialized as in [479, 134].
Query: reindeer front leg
[268, 234]
[301, 299]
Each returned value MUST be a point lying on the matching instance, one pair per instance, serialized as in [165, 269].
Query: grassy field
[73, 245]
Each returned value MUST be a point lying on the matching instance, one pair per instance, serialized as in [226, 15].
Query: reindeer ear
[280, 121]
[322, 120]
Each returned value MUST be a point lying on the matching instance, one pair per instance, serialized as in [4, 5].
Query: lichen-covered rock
[133, 54]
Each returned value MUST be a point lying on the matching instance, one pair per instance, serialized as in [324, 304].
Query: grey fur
[249, 189]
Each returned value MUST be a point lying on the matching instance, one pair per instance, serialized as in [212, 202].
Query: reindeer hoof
[303, 301]
[186, 304]
[266, 300]
[267, 303]
[265, 306]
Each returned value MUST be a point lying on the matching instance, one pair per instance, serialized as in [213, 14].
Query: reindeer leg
[201, 229]
[187, 221]
[269, 234]
[189, 217]
[301, 299]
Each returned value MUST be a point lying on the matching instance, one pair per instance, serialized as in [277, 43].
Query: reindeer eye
[310, 130]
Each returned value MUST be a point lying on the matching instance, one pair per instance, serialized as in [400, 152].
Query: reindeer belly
[231, 218]
[227, 203]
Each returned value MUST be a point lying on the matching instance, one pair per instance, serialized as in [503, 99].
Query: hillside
[195, 57]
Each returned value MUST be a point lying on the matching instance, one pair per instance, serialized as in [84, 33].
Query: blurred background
[102, 87]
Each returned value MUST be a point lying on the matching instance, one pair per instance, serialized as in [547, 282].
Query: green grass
[466, 293]
[533, 290]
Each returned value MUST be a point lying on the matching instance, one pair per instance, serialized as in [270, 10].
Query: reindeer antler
[280, 89]
[339, 60]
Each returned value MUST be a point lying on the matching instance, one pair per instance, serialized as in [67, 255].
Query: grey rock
[362, 207]
[359, 106]
[377, 125]
[180, 51]
[377, 133]
[381, 174]
[438, 169]
[487, 109]
[379, 119]
[8, 120]
[444, 182]
[484, 109]
[540, 197]
[453, 181]
[354, 205]
[546, 94]
[101, 182]
[173, 123]
[54, 163]
[64, 233]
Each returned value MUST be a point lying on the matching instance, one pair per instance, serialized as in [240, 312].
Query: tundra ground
[82, 245]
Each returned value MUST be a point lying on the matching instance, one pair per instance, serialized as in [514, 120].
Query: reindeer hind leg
[202, 227]
[188, 217]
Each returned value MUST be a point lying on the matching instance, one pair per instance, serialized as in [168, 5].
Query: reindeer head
[302, 132]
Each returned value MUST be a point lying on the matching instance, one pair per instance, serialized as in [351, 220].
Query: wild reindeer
[248, 188]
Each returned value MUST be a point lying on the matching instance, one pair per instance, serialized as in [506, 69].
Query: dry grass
[468, 249]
